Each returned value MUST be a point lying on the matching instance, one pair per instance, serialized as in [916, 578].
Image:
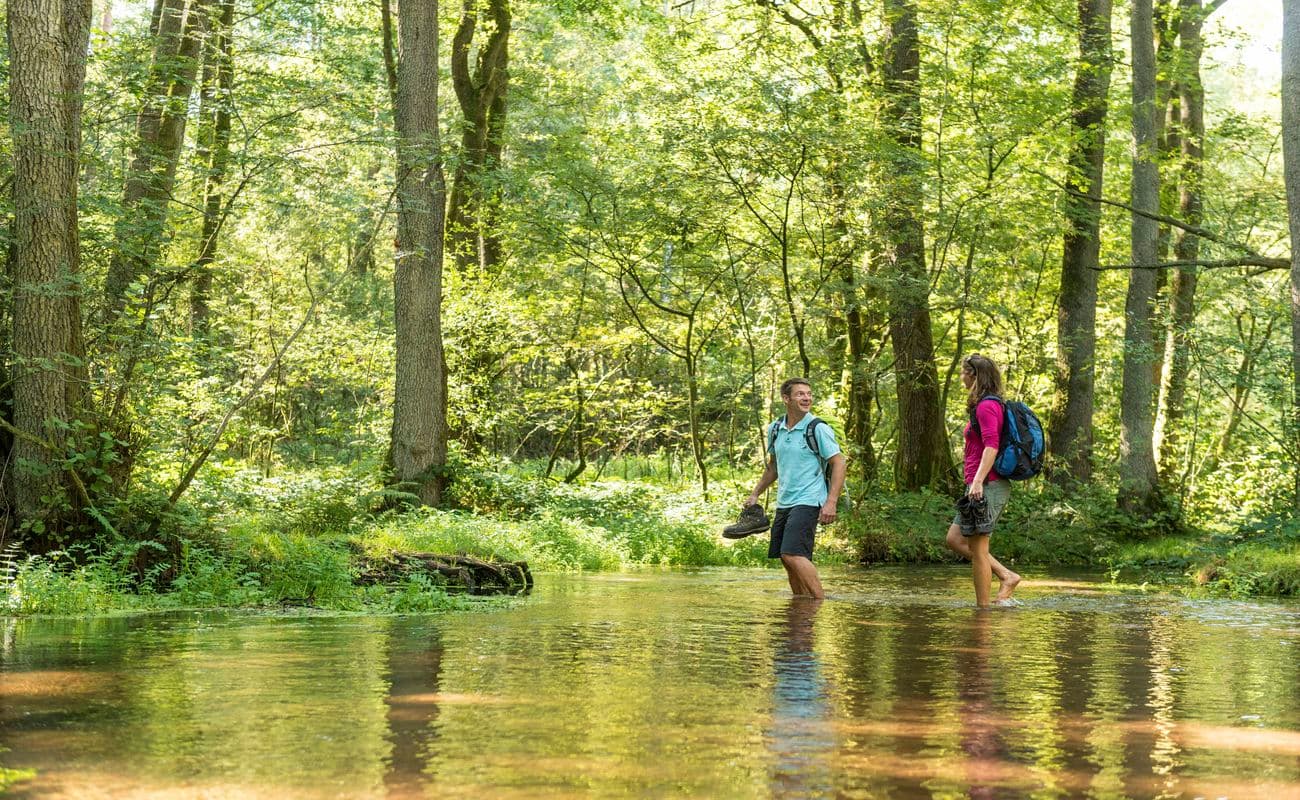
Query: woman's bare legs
[959, 545]
[981, 568]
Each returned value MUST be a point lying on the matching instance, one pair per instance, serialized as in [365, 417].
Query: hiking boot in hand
[979, 512]
[753, 519]
[974, 515]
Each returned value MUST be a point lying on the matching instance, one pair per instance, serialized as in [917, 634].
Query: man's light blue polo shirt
[799, 477]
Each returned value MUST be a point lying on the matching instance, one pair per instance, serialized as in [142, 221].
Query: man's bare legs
[803, 576]
[959, 545]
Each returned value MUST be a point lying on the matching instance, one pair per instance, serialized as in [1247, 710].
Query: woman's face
[967, 377]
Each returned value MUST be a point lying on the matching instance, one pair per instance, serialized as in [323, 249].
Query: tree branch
[1265, 263]
[1207, 235]
[801, 24]
[252, 392]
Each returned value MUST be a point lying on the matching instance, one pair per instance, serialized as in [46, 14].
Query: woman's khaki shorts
[996, 494]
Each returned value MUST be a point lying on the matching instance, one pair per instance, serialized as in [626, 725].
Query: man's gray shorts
[996, 494]
[793, 531]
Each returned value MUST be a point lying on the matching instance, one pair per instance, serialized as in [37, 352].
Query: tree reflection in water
[414, 668]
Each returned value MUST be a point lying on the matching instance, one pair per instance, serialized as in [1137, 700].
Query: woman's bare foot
[1007, 586]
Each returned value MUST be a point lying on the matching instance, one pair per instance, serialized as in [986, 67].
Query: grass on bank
[295, 540]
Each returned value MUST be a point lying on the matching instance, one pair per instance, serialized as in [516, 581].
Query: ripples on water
[706, 684]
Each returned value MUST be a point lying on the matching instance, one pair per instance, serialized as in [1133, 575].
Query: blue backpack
[1021, 445]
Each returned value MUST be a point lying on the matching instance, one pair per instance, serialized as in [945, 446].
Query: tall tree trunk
[1071, 418]
[1291, 158]
[1138, 491]
[923, 457]
[160, 131]
[1168, 134]
[47, 52]
[482, 97]
[858, 388]
[1165, 19]
[215, 100]
[419, 440]
[1182, 292]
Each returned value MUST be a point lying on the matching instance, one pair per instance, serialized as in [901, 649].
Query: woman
[986, 492]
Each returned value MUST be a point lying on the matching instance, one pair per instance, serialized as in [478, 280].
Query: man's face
[800, 398]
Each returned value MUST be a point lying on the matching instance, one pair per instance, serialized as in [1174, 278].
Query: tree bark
[160, 131]
[482, 96]
[923, 457]
[1138, 491]
[1071, 419]
[1291, 158]
[1182, 291]
[47, 51]
[214, 111]
[419, 441]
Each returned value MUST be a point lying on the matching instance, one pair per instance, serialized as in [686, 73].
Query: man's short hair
[791, 383]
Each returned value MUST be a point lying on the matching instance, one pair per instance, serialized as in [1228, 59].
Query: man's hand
[976, 490]
[749, 501]
[829, 513]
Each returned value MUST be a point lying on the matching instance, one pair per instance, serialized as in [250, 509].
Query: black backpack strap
[810, 436]
[975, 423]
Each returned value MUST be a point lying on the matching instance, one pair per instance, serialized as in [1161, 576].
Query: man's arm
[838, 469]
[768, 478]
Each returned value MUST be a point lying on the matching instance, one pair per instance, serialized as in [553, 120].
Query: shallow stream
[709, 683]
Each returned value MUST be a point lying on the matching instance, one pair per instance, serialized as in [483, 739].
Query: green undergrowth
[1039, 526]
[1257, 558]
[297, 540]
[1043, 527]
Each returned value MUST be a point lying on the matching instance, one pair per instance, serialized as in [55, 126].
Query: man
[803, 497]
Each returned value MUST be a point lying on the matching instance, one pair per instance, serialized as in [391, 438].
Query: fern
[8, 566]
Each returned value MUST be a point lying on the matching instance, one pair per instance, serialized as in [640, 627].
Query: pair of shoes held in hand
[974, 513]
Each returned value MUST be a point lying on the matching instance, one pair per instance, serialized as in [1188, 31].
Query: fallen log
[458, 573]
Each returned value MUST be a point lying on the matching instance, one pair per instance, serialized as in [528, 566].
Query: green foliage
[208, 580]
[1253, 570]
[416, 595]
[1040, 525]
[1259, 558]
[53, 584]
[298, 568]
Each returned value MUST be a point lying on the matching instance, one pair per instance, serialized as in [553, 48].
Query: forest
[289, 285]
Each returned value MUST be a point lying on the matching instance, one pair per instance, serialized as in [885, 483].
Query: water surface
[667, 684]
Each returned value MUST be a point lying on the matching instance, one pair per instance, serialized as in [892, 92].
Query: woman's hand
[976, 490]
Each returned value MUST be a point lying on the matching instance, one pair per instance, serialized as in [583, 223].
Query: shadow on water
[710, 683]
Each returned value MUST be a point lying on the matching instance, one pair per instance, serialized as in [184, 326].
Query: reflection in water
[669, 684]
[414, 662]
[800, 737]
[980, 739]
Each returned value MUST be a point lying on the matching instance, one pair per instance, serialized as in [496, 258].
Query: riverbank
[247, 541]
